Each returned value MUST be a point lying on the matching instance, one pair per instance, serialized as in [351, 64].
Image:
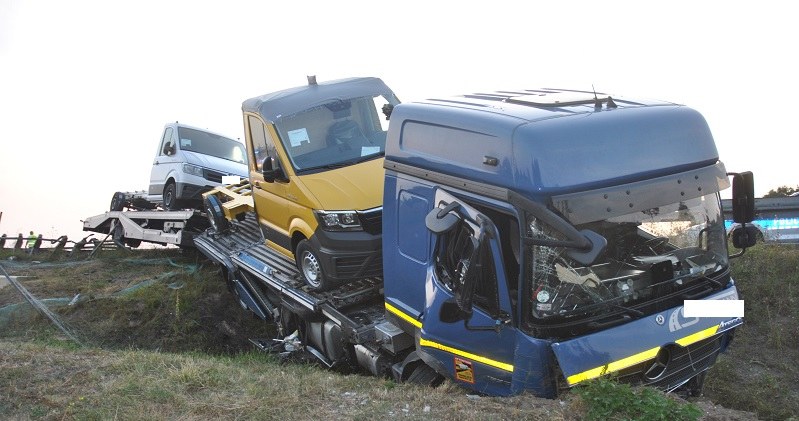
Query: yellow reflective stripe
[484, 360]
[698, 336]
[638, 358]
[613, 366]
[403, 316]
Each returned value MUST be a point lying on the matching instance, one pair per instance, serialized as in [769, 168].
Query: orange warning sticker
[464, 370]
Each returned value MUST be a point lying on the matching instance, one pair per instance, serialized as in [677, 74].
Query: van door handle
[155, 163]
[258, 185]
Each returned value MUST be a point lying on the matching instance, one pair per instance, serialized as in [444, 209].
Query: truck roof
[549, 141]
[289, 101]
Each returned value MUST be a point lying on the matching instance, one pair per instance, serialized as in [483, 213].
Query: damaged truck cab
[537, 239]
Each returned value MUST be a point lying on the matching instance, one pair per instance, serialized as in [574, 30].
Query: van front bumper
[348, 255]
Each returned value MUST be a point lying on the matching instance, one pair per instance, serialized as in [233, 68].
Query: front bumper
[348, 255]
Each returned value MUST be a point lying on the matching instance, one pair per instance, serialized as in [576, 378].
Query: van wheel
[170, 197]
[213, 208]
[118, 201]
[310, 266]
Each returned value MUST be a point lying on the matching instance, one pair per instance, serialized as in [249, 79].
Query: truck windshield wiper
[628, 310]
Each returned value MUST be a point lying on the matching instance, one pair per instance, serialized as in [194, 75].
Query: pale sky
[86, 86]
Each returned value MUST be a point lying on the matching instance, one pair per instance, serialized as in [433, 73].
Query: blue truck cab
[536, 239]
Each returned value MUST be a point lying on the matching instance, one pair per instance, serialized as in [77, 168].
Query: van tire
[213, 208]
[310, 266]
[117, 201]
[170, 197]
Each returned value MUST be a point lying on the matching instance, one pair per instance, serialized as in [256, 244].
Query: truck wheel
[170, 197]
[424, 375]
[213, 208]
[118, 201]
[310, 267]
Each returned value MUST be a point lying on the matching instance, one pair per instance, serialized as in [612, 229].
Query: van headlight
[193, 170]
[338, 220]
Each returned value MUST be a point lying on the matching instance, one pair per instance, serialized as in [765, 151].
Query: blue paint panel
[532, 367]
[600, 348]
[412, 237]
[406, 242]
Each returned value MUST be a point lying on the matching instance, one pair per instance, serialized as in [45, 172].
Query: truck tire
[170, 197]
[118, 201]
[310, 267]
[424, 375]
[213, 208]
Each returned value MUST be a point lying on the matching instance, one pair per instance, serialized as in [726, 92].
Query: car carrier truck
[531, 240]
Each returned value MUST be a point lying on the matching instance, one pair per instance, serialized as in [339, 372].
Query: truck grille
[372, 220]
[682, 364]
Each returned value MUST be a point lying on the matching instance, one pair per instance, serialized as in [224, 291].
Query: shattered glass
[650, 253]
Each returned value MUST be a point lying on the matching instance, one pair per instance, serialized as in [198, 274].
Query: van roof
[274, 105]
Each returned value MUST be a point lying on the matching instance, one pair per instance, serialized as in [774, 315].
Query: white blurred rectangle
[231, 179]
[713, 308]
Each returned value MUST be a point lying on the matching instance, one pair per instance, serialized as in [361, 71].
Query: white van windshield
[211, 144]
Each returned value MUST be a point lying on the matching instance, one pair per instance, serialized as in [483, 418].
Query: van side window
[261, 146]
[167, 143]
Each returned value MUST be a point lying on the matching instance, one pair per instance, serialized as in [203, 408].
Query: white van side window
[166, 143]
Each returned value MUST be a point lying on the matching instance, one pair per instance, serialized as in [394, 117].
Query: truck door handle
[258, 185]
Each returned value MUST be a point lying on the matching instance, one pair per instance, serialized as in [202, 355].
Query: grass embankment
[760, 373]
[133, 304]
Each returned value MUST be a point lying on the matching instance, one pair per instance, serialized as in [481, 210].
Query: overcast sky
[86, 86]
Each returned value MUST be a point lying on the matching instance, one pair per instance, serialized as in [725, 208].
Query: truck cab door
[465, 334]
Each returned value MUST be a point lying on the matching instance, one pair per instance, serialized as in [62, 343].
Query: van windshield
[211, 144]
[336, 134]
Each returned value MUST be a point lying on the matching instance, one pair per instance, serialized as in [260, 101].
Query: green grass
[606, 399]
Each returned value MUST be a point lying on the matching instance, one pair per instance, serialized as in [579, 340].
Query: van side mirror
[169, 149]
[743, 197]
[272, 171]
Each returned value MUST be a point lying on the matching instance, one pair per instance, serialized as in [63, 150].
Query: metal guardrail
[777, 218]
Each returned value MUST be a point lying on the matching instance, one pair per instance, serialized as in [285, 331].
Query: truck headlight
[338, 220]
[193, 170]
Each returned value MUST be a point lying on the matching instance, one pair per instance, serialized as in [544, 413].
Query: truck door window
[454, 259]
[261, 146]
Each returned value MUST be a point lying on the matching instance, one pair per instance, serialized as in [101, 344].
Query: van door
[466, 328]
[164, 161]
[269, 197]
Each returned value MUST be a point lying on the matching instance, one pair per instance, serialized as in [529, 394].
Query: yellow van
[316, 168]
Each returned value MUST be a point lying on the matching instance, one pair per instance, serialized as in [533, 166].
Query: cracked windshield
[649, 253]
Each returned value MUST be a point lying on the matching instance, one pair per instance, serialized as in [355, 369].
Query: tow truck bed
[357, 307]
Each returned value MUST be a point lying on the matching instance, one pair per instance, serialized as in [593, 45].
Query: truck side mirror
[743, 197]
[744, 236]
[272, 171]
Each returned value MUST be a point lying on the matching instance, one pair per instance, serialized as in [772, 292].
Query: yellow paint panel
[355, 187]
[487, 361]
[399, 313]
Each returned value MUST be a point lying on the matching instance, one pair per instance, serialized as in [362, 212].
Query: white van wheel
[170, 197]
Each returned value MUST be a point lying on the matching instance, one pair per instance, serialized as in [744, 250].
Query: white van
[190, 161]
